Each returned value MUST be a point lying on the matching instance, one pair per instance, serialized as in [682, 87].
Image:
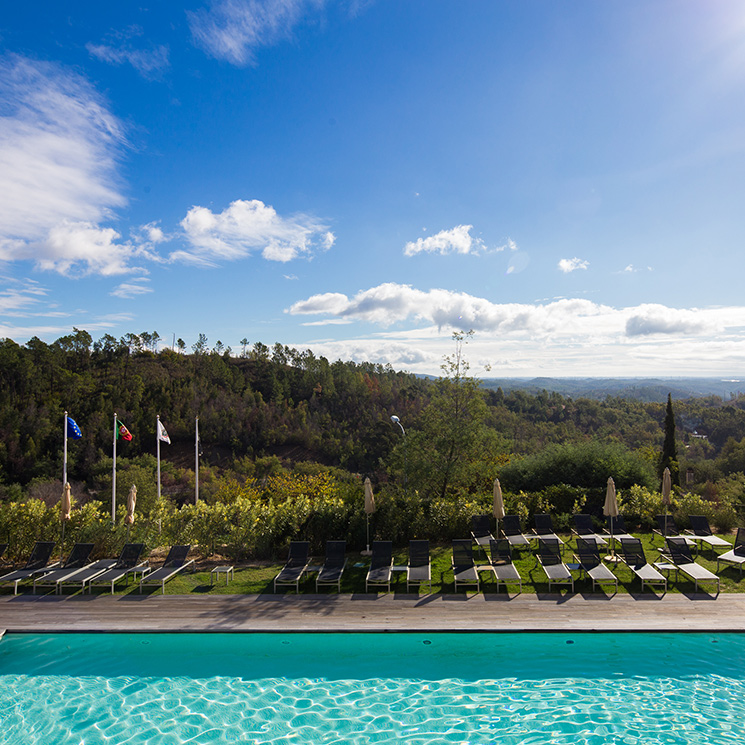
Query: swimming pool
[523, 688]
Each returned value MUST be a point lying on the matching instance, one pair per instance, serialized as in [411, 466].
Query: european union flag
[73, 431]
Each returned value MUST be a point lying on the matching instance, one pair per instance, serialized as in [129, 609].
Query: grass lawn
[256, 578]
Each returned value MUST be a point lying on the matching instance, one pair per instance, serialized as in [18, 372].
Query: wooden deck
[246, 613]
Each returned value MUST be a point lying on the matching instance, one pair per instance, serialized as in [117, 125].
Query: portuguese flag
[122, 432]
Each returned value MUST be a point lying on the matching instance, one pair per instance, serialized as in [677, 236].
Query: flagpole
[113, 480]
[196, 462]
[157, 440]
[64, 459]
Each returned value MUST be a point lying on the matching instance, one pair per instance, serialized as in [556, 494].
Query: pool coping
[369, 612]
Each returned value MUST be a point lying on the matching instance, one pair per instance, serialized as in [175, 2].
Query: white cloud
[80, 248]
[571, 265]
[456, 240]
[58, 173]
[58, 149]
[233, 30]
[132, 288]
[17, 299]
[246, 226]
[147, 62]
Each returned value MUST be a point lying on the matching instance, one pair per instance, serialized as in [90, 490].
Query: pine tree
[669, 458]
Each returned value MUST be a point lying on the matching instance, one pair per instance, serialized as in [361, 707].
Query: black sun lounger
[174, 564]
[78, 558]
[480, 530]
[617, 529]
[668, 529]
[38, 563]
[296, 566]
[464, 568]
[544, 528]
[590, 563]
[632, 555]
[111, 571]
[549, 557]
[381, 565]
[333, 566]
[505, 572]
[701, 533]
[584, 528]
[419, 568]
[513, 532]
[737, 554]
[679, 553]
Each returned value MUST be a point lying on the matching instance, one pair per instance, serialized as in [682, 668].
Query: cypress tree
[669, 458]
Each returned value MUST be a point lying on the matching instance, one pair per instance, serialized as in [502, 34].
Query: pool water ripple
[656, 689]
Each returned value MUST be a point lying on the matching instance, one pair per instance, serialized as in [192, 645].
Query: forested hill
[279, 401]
[638, 389]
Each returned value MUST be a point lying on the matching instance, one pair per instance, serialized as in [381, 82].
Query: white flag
[162, 434]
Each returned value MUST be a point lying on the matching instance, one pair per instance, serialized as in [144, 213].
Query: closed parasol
[369, 509]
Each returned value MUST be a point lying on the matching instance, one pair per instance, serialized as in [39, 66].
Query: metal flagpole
[157, 439]
[64, 459]
[113, 480]
[196, 462]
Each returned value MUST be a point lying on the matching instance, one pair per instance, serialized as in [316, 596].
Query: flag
[122, 431]
[73, 431]
[162, 434]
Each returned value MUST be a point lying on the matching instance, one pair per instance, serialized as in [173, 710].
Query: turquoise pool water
[372, 688]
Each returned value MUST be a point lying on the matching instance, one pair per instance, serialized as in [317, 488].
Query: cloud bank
[390, 303]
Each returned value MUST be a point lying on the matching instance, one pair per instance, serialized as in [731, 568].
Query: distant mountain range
[641, 389]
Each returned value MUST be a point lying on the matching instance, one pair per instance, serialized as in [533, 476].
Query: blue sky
[363, 178]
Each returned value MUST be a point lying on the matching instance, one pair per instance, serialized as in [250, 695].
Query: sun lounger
[584, 528]
[549, 557]
[679, 553]
[111, 571]
[333, 566]
[419, 568]
[544, 528]
[296, 566]
[505, 572]
[464, 568]
[616, 529]
[480, 530]
[381, 563]
[668, 529]
[701, 533]
[588, 558]
[174, 564]
[38, 563]
[632, 555]
[78, 558]
[737, 554]
[513, 532]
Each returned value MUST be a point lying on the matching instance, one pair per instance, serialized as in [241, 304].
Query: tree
[452, 431]
[200, 347]
[669, 458]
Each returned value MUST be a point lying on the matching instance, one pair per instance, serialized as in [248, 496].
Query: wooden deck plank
[246, 613]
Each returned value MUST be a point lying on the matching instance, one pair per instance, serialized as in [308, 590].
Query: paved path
[397, 612]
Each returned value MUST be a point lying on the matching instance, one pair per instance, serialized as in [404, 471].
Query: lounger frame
[381, 566]
[331, 571]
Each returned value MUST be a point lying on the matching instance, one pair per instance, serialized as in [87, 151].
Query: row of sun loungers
[76, 571]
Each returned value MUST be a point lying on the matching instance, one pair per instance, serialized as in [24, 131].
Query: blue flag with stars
[73, 431]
